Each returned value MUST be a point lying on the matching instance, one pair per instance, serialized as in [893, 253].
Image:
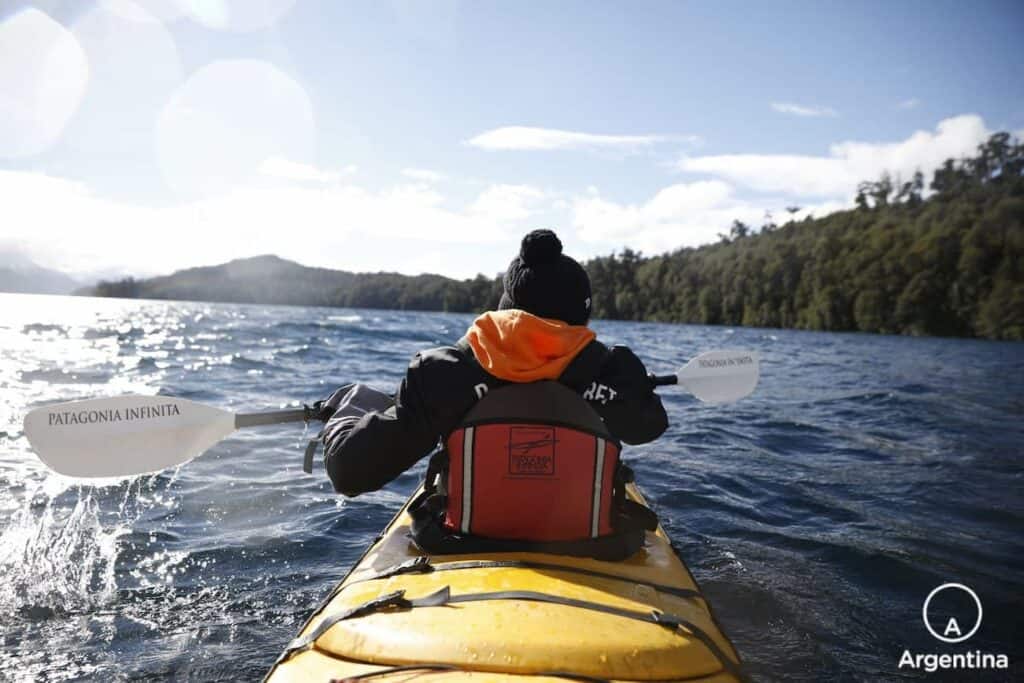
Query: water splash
[57, 562]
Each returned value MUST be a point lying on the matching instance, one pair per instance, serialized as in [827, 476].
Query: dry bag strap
[397, 600]
[307, 457]
[423, 565]
[437, 468]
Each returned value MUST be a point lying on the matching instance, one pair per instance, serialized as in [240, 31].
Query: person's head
[545, 282]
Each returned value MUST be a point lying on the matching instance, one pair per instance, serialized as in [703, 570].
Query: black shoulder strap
[586, 366]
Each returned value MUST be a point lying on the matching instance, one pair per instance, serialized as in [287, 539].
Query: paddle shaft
[305, 414]
[272, 417]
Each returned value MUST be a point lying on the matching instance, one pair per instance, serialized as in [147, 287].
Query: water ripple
[817, 514]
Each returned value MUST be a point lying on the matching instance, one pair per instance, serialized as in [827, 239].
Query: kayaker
[539, 332]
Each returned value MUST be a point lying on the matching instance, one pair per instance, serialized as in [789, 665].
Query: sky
[143, 136]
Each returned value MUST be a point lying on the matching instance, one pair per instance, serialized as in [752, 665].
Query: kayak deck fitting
[400, 613]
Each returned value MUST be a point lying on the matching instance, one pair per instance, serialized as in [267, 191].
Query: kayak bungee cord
[425, 565]
[397, 601]
[441, 668]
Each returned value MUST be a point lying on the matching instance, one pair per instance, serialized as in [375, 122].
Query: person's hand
[325, 408]
[352, 399]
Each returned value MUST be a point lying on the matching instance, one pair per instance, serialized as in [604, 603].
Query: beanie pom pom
[540, 246]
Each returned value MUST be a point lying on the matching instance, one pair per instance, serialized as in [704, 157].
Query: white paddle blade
[721, 376]
[124, 436]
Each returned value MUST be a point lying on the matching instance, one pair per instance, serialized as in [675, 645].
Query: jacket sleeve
[634, 413]
[365, 453]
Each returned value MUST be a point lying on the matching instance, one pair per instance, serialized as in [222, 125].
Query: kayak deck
[503, 616]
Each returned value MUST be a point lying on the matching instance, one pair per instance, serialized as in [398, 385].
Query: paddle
[131, 435]
[717, 376]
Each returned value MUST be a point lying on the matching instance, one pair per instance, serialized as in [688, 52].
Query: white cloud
[680, 215]
[801, 175]
[424, 175]
[848, 163]
[812, 210]
[279, 167]
[66, 226]
[507, 202]
[525, 138]
[686, 214]
[908, 104]
[802, 110]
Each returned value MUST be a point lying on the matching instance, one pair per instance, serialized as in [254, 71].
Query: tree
[738, 230]
[861, 200]
[949, 264]
[916, 188]
[881, 190]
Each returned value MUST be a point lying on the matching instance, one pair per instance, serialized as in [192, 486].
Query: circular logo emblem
[952, 625]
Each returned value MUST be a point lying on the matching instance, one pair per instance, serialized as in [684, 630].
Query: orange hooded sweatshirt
[517, 346]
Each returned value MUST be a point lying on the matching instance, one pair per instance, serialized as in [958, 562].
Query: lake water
[817, 515]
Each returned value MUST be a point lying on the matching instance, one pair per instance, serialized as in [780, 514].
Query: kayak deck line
[447, 668]
[443, 597]
[426, 565]
[512, 616]
[439, 670]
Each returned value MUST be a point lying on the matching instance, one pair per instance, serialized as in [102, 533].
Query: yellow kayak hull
[591, 619]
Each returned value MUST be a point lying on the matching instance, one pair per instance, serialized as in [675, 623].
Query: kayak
[504, 616]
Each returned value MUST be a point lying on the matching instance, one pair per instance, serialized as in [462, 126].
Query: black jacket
[441, 385]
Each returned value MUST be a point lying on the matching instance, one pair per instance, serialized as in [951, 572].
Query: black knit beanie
[545, 282]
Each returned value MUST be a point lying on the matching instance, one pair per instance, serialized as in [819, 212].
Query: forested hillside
[946, 258]
[951, 264]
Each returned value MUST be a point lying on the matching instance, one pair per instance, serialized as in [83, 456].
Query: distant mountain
[272, 280]
[22, 276]
[939, 258]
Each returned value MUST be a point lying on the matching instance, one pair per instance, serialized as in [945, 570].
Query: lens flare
[135, 67]
[241, 16]
[226, 120]
[152, 10]
[43, 75]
